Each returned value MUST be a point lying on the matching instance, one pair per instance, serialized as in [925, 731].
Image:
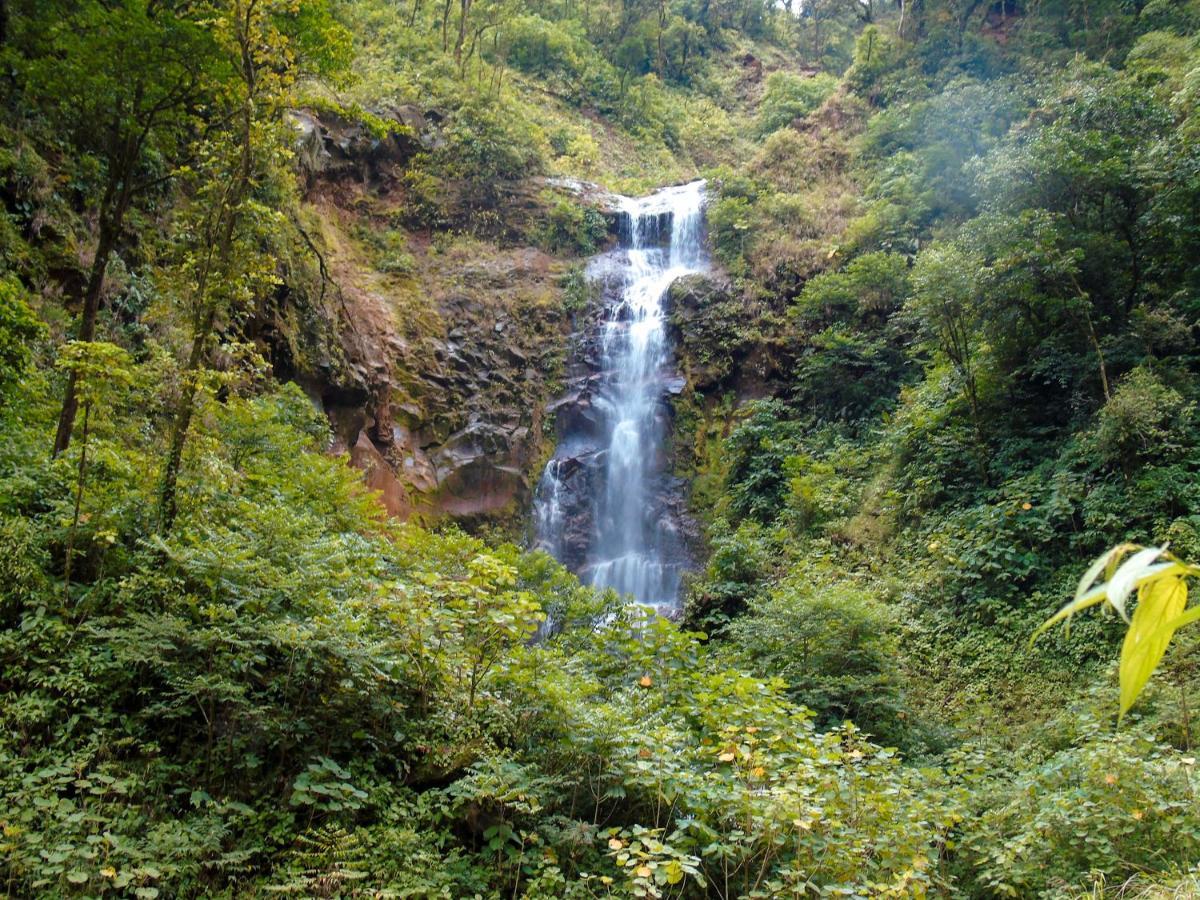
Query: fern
[323, 863]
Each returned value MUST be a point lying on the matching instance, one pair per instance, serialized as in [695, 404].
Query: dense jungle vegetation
[950, 357]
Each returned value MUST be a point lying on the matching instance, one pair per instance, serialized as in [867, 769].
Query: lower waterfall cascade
[606, 505]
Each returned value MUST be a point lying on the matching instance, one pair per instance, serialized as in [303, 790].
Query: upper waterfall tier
[606, 505]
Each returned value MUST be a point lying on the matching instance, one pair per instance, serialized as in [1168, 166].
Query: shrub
[834, 647]
[730, 227]
[789, 97]
[571, 228]
[870, 287]
[1144, 418]
[19, 328]
[738, 570]
[758, 449]
[1118, 805]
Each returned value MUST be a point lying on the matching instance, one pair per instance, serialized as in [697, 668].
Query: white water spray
[633, 545]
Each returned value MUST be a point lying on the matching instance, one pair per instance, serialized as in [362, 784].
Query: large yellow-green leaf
[1186, 619]
[1129, 575]
[1105, 563]
[1160, 602]
[1099, 594]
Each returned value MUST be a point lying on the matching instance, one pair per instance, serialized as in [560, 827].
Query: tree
[222, 264]
[239, 182]
[123, 80]
[98, 368]
[944, 302]
[789, 97]
[1032, 295]
[1084, 158]
[825, 30]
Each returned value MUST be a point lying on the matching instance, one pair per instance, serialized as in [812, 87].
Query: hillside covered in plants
[305, 303]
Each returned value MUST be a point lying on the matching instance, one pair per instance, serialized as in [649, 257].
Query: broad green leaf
[1160, 601]
[1137, 570]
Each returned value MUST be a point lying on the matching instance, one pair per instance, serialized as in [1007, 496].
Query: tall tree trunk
[446, 25]
[79, 481]
[464, 13]
[168, 498]
[118, 194]
[216, 264]
[87, 328]
[1089, 328]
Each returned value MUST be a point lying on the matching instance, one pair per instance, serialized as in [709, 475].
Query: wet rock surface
[720, 339]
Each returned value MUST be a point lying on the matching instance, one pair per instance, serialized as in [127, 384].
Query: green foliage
[738, 570]
[572, 228]
[578, 291]
[833, 647]
[323, 862]
[730, 222]
[1145, 419]
[852, 372]
[20, 329]
[945, 305]
[788, 97]
[484, 143]
[305, 656]
[119, 78]
[985, 381]
[561, 52]
[389, 251]
[98, 366]
[850, 375]
[871, 286]
[877, 54]
[757, 450]
[1116, 805]
[326, 786]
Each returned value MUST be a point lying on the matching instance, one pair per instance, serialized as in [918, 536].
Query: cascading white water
[632, 545]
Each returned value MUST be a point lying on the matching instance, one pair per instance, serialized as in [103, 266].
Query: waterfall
[604, 504]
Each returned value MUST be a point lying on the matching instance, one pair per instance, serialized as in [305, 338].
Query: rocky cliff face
[451, 345]
[725, 341]
[730, 349]
[446, 417]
